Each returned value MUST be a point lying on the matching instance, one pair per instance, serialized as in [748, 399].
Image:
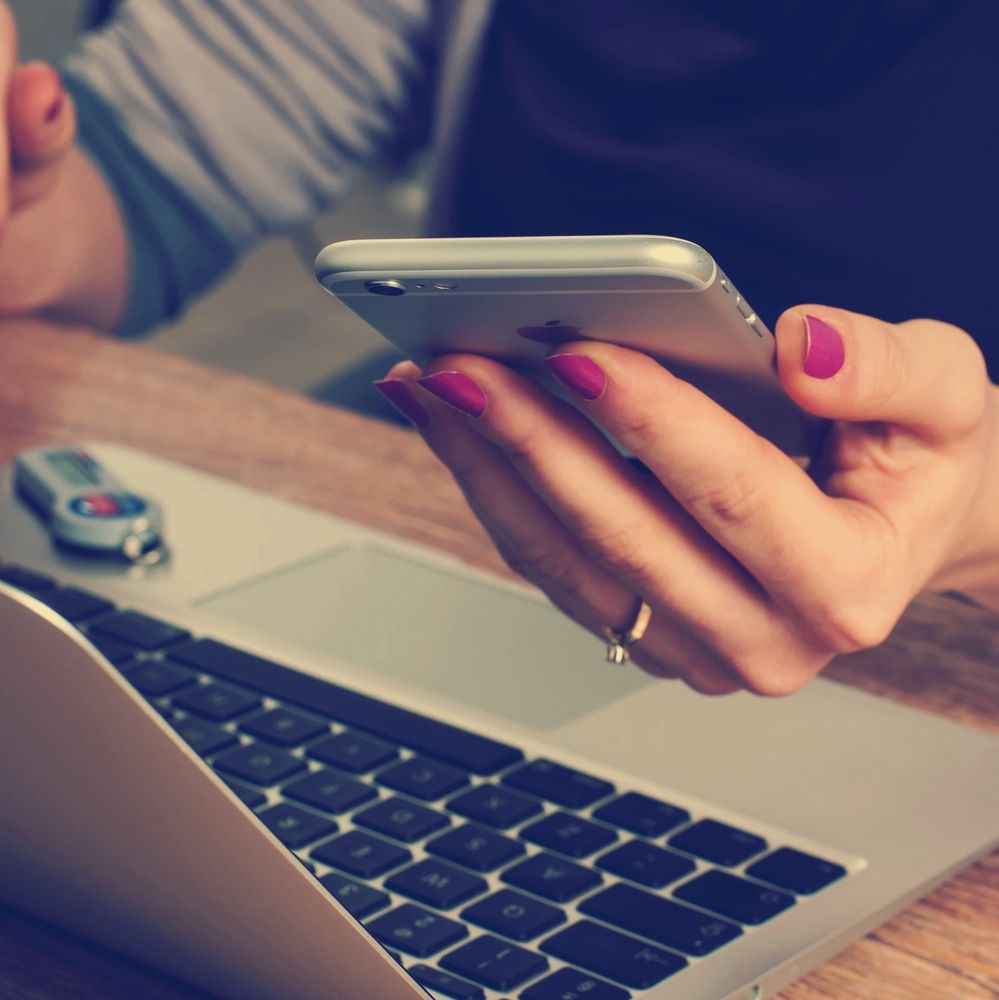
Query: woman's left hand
[758, 572]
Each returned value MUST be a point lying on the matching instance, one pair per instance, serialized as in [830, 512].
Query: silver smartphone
[515, 298]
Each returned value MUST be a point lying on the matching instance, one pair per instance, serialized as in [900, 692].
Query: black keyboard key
[496, 806]
[617, 956]
[353, 752]
[646, 864]
[444, 984]
[734, 897]
[217, 702]
[559, 784]
[258, 764]
[436, 884]
[571, 984]
[494, 963]
[26, 579]
[361, 854]
[568, 834]
[155, 679]
[329, 791]
[402, 820]
[204, 738]
[475, 847]
[423, 778]
[416, 931]
[718, 842]
[296, 827]
[517, 917]
[551, 877]
[250, 796]
[660, 920]
[76, 605]
[389, 722]
[796, 871]
[117, 652]
[138, 630]
[283, 727]
[641, 814]
[357, 899]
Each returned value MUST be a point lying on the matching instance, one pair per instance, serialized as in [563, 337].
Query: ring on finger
[619, 643]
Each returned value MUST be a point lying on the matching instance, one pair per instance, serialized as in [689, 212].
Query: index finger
[755, 501]
[8, 60]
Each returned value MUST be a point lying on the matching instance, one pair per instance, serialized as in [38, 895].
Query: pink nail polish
[578, 373]
[401, 397]
[457, 390]
[54, 109]
[823, 349]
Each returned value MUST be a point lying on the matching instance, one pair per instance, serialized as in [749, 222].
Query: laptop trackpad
[440, 631]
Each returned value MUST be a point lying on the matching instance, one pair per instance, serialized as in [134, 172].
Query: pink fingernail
[824, 352]
[457, 390]
[54, 109]
[398, 393]
[578, 373]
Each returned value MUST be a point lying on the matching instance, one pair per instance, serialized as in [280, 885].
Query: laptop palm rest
[448, 634]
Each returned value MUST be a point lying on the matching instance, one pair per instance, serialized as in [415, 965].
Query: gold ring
[619, 643]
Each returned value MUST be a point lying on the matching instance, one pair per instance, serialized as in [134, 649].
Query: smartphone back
[516, 299]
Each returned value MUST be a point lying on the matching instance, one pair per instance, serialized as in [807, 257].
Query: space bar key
[397, 725]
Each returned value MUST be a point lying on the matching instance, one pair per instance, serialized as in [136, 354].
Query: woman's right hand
[62, 245]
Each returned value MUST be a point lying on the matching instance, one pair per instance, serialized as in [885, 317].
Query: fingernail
[578, 373]
[54, 108]
[823, 348]
[401, 397]
[457, 390]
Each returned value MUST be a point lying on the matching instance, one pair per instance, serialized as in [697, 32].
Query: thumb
[925, 376]
[42, 127]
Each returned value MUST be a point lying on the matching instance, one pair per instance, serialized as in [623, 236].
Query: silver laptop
[303, 760]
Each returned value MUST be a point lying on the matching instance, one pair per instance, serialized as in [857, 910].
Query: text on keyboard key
[401, 819]
[641, 814]
[475, 847]
[358, 899]
[718, 842]
[444, 984]
[353, 752]
[494, 963]
[329, 791]
[155, 679]
[569, 834]
[216, 702]
[619, 957]
[571, 984]
[495, 806]
[513, 915]
[645, 863]
[258, 764]
[661, 920]
[361, 854]
[423, 778]
[559, 784]
[249, 796]
[734, 897]
[796, 871]
[296, 827]
[416, 931]
[204, 738]
[436, 883]
[283, 727]
[551, 877]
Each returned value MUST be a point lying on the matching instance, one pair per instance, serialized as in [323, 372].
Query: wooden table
[70, 385]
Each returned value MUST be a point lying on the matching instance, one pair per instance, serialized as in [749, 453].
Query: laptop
[302, 759]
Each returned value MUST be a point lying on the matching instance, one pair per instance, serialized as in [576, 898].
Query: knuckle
[544, 565]
[777, 666]
[849, 627]
[620, 548]
[734, 501]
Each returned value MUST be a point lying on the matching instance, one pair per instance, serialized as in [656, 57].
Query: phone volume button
[744, 308]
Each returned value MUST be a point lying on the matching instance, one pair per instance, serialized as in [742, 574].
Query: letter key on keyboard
[645, 863]
[718, 842]
[641, 814]
[423, 778]
[551, 877]
[436, 884]
[475, 847]
[513, 915]
[401, 819]
[569, 834]
[499, 807]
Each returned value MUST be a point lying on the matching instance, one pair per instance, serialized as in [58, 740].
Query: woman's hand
[758, 572]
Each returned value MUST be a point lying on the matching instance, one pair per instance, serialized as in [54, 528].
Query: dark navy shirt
[844, 153]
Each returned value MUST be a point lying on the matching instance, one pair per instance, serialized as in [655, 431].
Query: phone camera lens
[388, 287]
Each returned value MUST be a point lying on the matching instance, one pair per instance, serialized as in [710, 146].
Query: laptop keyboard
[483, 872]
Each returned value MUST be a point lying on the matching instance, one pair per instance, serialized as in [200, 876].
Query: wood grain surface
[71, 385]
